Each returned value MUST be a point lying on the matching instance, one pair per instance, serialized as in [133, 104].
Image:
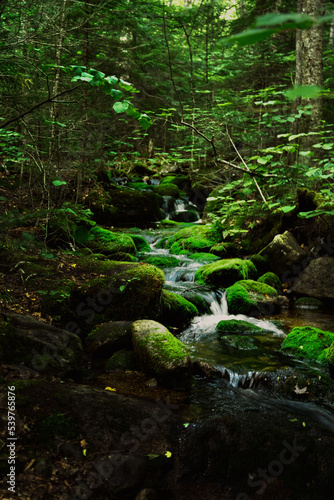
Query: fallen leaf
[297, 390]
[110, 389]
[168, 454]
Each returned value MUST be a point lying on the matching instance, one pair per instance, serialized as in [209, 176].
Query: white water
[202, 325]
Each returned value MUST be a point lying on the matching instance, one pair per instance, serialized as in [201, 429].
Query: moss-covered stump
[122, 207]
[309, 303]
[272, 280]
[162, 261]
[161, 355]
[110, 243]
[317, 280]
[121, 360]
[193, 239]
[235, 326]
[176, 310]
[123, 291]
[167, 189]
[283, 253]
[252, 298]
[225, 272]
[310, 343]
[39, 346]
[105, 339]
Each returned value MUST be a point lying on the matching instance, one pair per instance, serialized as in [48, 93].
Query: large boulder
[108, 338]
[226, 272]
[317, 280]
[121, 291]
[39, 346]
[284, 253]
[253, 298]
[161, 355]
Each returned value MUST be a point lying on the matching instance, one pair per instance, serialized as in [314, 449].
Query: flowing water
[243, 364]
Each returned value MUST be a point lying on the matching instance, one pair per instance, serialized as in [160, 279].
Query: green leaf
[250, 36]
[145, 121]
[286, 21]
[81, 234]
[306, 91]
[288, 208]
[2, 198]
[121, 107]
[59, 183]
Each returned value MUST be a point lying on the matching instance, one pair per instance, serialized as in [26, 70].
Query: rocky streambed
[176, 371]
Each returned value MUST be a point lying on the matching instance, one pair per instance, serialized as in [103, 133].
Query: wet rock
[121, 360]
[176, 310]
[226, 272]
[317, 280]
[40, 346]
[161, 355]
[108, 338]
[147, 494]
[253, 298]
[283, 253]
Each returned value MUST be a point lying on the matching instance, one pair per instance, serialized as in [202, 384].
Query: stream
[243, 368]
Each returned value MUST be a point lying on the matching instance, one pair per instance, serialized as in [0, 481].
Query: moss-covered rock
[252, 298]
[239, 342]
[283, 253]
[202, 305]
[235, 326]
[140, 243]
[167, 189]
[110, 243]
[309, 303]
[311, 343]
[193, 239]
[204, 257]
[330, 359]
[105, 339]
[162, 261]
[121, 360]
[121, 207]
[140, 186]
[272, 280]
[225, 272]
[221, 249]
[176, 310]
[123, 291]
[181, 181]
[161, 355]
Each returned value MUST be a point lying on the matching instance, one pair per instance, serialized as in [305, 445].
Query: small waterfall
[168, 206]
[219, 305]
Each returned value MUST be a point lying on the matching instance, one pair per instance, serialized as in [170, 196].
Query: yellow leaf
[73, 265]
[168, 454]
[84, 452]
[83, 443]
[109, 389]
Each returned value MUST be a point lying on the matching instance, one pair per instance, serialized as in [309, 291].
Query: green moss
[162, 261]
[235, 326]
[176, 310]
[239, 302]
[309, 303]
[110, 243]
[309, 343]
[167, 189]
[220, 249]
[139, 186]
[179, 180]
[203, 307]
[271, 279]
[140, 243]
[195, 238]
[225, 272]
[204, 257]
